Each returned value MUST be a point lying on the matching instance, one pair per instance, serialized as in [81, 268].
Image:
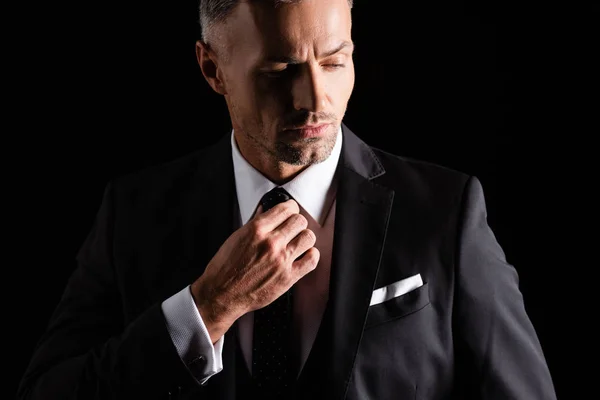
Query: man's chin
[302, 155]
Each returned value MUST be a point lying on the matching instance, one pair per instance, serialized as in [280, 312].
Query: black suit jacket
[464, 334]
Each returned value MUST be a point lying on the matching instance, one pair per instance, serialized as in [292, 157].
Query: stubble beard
[303, 152]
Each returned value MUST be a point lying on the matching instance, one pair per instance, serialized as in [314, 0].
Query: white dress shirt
[314, 190]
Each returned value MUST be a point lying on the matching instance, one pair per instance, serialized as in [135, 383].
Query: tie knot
[274, 196]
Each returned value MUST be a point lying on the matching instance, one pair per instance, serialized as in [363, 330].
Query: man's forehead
[290, 54]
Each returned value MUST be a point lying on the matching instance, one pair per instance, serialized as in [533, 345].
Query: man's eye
[334, 66]
[278, 73]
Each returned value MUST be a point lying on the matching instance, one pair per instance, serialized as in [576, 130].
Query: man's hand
[256, 264]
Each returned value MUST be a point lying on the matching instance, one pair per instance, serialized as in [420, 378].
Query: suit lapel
[208, 216]
[362, 214]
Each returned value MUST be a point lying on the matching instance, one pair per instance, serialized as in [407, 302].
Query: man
[380, 273]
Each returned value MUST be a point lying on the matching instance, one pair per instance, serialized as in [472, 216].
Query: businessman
[290, 260]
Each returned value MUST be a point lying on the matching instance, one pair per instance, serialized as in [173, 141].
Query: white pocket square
[396, 289]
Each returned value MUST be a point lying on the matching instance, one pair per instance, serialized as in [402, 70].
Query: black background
[504, 92]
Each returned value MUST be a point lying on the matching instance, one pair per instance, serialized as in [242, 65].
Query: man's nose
[309, 90]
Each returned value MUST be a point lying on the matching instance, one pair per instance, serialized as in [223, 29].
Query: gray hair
[215, 11]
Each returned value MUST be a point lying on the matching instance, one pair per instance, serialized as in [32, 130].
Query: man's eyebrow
[341, 46]
[293, 60]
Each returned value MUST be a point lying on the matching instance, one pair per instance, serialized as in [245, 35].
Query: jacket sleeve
[87, 351]
[498, 353]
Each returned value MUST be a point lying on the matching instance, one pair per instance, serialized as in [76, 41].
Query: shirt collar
[309, 188]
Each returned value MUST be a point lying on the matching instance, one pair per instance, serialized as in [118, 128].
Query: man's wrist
[214, 316]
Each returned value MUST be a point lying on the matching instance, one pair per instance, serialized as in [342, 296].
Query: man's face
[287, 67]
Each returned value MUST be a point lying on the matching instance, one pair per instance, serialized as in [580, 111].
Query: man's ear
[209, 65]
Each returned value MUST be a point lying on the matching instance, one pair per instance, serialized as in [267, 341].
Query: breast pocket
[398, 307]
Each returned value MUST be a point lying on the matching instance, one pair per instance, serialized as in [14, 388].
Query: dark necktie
[272, 355]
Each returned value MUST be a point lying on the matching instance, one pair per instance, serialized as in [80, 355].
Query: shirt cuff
[190, 336]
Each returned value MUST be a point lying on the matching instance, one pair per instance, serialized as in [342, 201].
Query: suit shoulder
[402, 171]
[434, 193]
[171, 174]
